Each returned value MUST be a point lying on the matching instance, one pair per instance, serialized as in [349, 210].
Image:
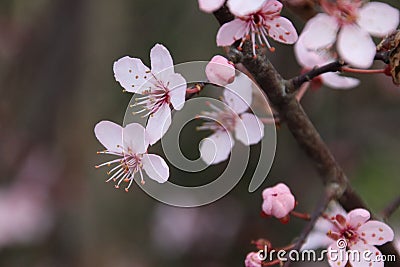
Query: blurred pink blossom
[355, 228]
[252, 260]
[130, 145]
[237, 7]
[350, 23]
[233, 118]
[161, 86]
[25, 211]
[257, 26]
[278, 201]
[220, 71]
[310, 59]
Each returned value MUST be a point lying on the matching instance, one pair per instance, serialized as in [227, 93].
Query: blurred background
[56, 83]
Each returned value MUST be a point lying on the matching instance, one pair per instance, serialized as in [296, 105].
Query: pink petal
[309, 58]
[161, 60]
[135, 139]
[231, 31]
[252, 260]
[278, 201]
[379, 19]
[336, 81]
[282, 207]
[242, 8]
[355, 46]
[155, 167]
[210, 6]
[216, 148]
[272, 7]
[282, 30]
[357, 217]
[109, 135]
[250, 131]
[238, 95]
[336, 256]
[131, 73]
[158, 124]
[368, 256]
[177, 86]
[280, 188]
[316, 240]
[320, 32]
[376, 233]
[220, 71]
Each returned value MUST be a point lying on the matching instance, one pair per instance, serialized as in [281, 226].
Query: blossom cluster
[161, 89]
[343, 32]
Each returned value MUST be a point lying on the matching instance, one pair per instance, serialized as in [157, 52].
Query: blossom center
[345, 11]
[154, 98]
[258, 30]
[219, 119]
[128, 164]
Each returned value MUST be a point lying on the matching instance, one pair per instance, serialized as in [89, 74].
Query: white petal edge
[244, 7]
[109, 135]
[177, 87]
[368, 254]
[131, 73]
[284, 33]
[210, 6]
[161, 61]
[357, 217]
[231, 31]
[355, 46]
[239, 94]
[158, 124]
[155, 167]
[320, 32]
[216, 148]
[379, 19]
[316, 240]
[135, 139]
[376, 232]
[249, 130]
[336, 81]
[308, 58]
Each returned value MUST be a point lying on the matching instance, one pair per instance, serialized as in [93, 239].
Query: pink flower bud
[278, 201]
[252, 260]
[220, 71]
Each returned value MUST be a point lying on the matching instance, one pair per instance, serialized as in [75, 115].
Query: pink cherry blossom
[349, 23]
[161, 87]
[252, 260]
[309, 59]
[356, 229]
[220, 71]
[257, 26]
[278, 201]
[233, 118]
[237, 7]
[130, 145]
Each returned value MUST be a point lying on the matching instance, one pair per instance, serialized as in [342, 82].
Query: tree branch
[279, 92]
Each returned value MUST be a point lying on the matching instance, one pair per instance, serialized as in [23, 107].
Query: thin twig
[296, 82]
[280, 92]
